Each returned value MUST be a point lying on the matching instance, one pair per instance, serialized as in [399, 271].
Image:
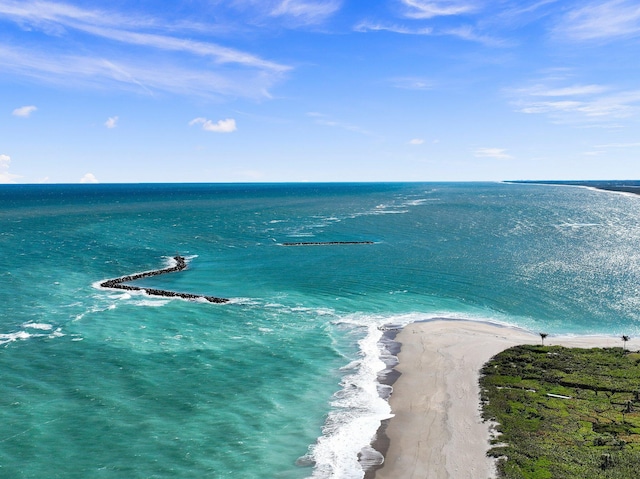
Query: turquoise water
[281, 381]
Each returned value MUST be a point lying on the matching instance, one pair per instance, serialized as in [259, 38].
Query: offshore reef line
[181, 264]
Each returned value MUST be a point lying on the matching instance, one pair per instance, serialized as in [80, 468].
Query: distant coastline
[624, 186]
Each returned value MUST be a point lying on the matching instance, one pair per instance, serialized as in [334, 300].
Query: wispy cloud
[305, 11]
[495, 153]
[583, 104]
[622, 105]
[292, 13]
[5, 176]
[24, 111]
[517, 9]
[54, 16]
[420, 9]
[419, 18]
[471, 34]
[324, 120]
[111, 122]
[464, 32]
[573, 90]
[162, 42]
[619, 145]
[139, 75]
[412, 83]
[416, 141]
[126, 30]
[146, 65]
[602, 20]
[367, 26]
[89, 178]
[221, 126]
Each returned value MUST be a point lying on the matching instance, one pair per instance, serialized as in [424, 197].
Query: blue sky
[312, 90]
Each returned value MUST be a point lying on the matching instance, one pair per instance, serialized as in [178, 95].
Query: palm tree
[625, 338]
[542, 336]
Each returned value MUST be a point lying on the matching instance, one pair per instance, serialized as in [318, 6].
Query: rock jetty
[325, 243]
[181, 264]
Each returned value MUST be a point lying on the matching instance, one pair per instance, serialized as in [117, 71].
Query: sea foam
[345, 448]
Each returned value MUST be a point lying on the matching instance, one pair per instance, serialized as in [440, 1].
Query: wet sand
[437, 431]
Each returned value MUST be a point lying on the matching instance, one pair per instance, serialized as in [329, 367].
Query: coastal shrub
[563, 412]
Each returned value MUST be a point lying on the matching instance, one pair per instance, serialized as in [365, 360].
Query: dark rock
[181, 264]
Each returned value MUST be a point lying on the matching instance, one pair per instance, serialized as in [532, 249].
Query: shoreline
[437, 430]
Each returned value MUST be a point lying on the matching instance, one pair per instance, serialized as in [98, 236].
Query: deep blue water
[110, 384]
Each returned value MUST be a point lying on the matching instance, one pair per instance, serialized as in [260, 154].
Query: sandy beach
[437, 431]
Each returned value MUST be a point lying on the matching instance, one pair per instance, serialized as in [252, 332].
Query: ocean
[282, 380]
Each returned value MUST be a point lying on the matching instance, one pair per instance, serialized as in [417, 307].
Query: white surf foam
[11, 337]
[152, 303]
[25, 335]
[41, 326]
[345, 448]
[358, 408]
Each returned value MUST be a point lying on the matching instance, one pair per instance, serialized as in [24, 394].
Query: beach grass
[563, 412]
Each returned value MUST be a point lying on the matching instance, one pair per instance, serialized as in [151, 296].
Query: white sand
[437, 431]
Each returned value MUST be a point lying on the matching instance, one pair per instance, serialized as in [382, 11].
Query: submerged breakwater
[117, 283]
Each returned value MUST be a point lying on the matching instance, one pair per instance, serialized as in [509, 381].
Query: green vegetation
[564, 412]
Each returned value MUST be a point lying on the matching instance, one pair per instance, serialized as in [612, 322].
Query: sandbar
[437, 431]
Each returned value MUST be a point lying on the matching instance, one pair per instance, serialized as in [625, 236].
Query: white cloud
[574, 90]
[292, 13]
[47, 14]
[24, 111]
[141, 75]
[218, 53]
[5, 176]
[496, 153]
[420, 9]
[552, 106]
[117, 28]
[464, 32]
[226, 71]
[366, 26]
[221, 126]
[324, 120]
[412, 83]
[605, 108]
[89, 178]
[416, 141]
[470, 34]
[619, 145]
[602, 20]
[305, 11]
[591, 104]
[111, 122]
[515, 10]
